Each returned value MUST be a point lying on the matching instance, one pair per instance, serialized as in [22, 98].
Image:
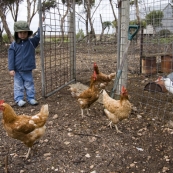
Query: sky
[104, 10]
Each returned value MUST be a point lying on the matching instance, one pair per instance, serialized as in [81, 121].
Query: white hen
[168, 82]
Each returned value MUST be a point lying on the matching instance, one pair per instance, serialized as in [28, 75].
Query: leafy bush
[58, 40]
[164, 33]
[5, 38]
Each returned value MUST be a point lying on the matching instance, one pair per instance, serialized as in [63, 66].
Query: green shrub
[5, 38]
[164, 33]
[56, 40]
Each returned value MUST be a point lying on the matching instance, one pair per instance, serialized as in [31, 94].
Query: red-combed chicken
[117, 110]
[100, 78]
[86, 98]
[22, 127]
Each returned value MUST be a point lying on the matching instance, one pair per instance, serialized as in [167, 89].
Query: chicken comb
[1, 102]
[122, 88]
[95, 64]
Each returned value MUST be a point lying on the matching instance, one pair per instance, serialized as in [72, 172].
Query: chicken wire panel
[58, 48]
[95, 39]
[150, 56]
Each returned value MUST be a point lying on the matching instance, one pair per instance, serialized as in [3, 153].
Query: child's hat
[21, 26]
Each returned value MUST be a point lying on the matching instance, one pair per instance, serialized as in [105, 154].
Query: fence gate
[57, 48]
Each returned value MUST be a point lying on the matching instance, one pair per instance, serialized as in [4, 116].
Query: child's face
[23, 34]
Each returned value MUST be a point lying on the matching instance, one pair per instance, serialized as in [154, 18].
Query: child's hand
[12, 72]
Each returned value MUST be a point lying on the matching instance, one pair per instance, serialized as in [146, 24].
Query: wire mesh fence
[96, 40]
[58, 48]
[151, 56]
[73, 41]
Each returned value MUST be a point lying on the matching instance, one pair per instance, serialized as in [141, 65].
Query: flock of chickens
[30, 128]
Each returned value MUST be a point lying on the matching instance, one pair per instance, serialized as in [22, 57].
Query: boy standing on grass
[21, 62]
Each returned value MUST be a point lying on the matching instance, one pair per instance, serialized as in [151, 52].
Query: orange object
[149, 65]
[166, 63]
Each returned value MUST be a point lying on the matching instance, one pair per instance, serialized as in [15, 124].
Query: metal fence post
[41, 49]
[124, 39]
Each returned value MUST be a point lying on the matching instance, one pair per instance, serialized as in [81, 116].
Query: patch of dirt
[88, 145]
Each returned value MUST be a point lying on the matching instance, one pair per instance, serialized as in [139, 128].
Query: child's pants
[23, 81]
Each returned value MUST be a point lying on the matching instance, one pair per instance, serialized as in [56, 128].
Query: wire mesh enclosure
[150, 56]
[96, 39]
[75, 36]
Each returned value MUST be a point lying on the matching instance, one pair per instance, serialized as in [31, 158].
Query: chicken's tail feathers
[104, 92]
[110, 115]
[73, 91]
[112, 75]
[44, 111]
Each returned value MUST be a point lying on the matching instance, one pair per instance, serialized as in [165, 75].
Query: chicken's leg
[118, 131]
[27, 155]
[110, 125]
[88, 111]
[82, 113]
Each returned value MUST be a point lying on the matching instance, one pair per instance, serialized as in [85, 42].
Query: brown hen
[100, 79]
[117, 110]
[86, 98]
[22, 127]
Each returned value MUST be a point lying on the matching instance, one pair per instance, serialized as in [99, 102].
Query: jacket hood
[21, 26]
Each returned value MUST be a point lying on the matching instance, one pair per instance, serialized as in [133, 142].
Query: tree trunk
[5, 25]
[14, 9]
[137, 12]
[101, 35]
[28, 11]
[86, 23]
[92, 32]
[115, 17]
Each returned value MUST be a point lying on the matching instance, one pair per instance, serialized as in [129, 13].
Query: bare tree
[31, 11]
[135, 2]
[1, 31]
[14, 9]
[105, 25]
[88, 7]
[113, 11]
[3, 13]
[68, 4]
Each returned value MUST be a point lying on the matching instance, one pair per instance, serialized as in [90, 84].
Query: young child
[21, 62]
